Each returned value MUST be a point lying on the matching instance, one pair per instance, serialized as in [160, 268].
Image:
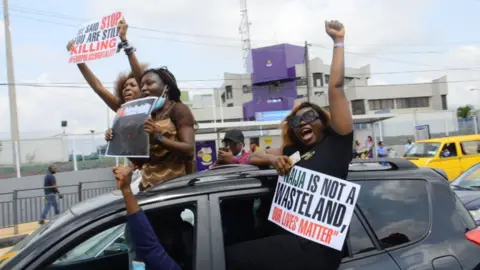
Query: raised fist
[122, 28]
[335, 30]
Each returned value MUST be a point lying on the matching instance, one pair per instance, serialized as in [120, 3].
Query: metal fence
[26, 205]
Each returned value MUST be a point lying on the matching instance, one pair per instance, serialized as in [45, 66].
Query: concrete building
[277, 80]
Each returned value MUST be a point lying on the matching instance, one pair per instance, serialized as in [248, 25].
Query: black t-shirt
[332, 156]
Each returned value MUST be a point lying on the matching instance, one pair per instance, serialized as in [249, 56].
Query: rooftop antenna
[244, 30]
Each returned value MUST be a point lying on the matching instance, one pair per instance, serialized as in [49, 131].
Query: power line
[68, 17]
[303, 77]
[46, 85]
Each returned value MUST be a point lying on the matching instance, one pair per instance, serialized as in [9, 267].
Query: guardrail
[26, 205]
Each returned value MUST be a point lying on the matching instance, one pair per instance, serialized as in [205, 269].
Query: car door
[250, 222]
[450, 162]
[101, 244]
[363, 251]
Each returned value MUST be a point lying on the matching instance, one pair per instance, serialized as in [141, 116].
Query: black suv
[406, 218]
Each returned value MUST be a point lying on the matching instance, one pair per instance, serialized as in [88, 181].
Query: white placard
[315, 206]
[96, 39]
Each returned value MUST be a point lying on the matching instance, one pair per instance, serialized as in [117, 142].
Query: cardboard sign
[315, 206]
[129, 136]
[96, 39]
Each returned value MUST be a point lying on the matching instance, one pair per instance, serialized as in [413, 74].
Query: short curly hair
[122, 79]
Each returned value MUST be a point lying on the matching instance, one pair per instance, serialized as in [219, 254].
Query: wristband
[159, 139]
[127, 48]
[338, 45]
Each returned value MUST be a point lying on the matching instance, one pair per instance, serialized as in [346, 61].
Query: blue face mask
[161, 100]
[138, 265]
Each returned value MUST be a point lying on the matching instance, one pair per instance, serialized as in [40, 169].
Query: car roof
[452, 138]
[241, 177]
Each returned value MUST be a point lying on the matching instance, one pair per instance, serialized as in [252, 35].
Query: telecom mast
[244, 30]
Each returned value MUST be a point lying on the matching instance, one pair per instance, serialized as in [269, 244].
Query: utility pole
[11, 91]
[307, 72]
[244, 30]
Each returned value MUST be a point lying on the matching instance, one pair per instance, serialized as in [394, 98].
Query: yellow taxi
[453, 154]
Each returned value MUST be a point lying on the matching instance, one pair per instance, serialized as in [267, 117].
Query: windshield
[423, 149]
[469, 179]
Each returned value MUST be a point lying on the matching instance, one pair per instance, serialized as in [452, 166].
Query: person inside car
[147, 247]
[324, 143]
[233, 151]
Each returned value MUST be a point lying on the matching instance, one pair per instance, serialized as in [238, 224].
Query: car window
[423, 149]
[397, 210]
[469, 178]
[98, 245]
[174, 227]
[246, 218]
[360, 242]
[465, 219]
[448, 150]
[470, 147]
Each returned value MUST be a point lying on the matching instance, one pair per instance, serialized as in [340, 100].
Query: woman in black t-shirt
[324, 143]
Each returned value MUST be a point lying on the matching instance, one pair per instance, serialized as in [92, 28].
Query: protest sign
[96, 39]
[315, 206]
[129, 136]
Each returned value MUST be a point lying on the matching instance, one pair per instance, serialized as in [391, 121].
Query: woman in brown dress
[171, 129]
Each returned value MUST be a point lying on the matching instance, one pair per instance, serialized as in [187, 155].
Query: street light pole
[307, 71]
[11, 90]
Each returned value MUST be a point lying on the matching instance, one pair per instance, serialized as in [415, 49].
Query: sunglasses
[307, 117]
[229, 143]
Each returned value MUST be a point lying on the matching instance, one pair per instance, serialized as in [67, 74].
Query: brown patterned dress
[163, 165]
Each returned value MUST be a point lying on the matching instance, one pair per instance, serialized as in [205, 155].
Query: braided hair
[168, 79]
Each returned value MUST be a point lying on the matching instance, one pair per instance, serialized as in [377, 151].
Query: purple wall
[269, 64]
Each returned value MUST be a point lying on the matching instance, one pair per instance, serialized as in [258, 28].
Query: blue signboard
[271, 116]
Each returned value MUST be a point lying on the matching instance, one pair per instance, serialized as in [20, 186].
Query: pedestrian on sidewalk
[50, 189]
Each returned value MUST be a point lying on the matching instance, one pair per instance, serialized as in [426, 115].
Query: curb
[11, 241]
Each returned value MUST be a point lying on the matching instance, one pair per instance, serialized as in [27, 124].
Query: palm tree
[464, 111]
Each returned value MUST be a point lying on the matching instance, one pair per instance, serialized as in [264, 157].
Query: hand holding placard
[122, 28]
[314, 206]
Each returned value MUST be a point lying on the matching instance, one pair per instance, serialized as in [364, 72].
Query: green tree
[464, 111]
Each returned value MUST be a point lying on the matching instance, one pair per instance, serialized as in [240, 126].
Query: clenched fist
[335, 30]
[122, 28]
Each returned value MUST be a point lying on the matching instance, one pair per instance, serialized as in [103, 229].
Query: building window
[444, 102]
[417, 102]
[228, 89]
[318, 79]
[276, 87]
[348, 80]
[246, 89]
[230, 105]
[358, 107]
[327, 78]
[380, 104]
[223, 97]
[301, 81]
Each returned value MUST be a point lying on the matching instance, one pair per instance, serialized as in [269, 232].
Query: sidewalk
[25, 228]
[3, 251]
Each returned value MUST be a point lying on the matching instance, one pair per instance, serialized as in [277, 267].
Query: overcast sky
[199, 40]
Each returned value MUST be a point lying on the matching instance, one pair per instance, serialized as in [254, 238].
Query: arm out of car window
[147, 246]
